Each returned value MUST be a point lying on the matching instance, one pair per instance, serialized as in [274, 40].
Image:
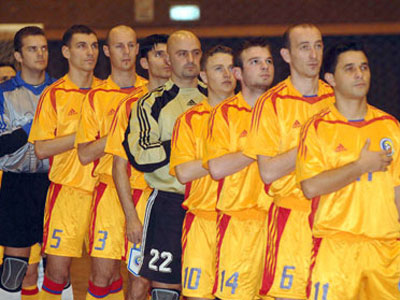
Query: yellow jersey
[98, 111]
[187, 144]
[227, 133]
[117, 135]
[275, 127]
[58, 115]
[366, 206]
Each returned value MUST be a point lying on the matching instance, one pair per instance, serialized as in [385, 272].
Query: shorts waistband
[294, 203]
[247, 214]
[107, 179]
[209, 215]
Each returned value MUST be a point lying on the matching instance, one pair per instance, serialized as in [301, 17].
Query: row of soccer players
[148, 144]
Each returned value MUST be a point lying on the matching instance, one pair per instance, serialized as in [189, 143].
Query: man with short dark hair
[242, 206]
[148, 146]
[348, 165]
[273, 138]
[53, 132]
[24, 181]
[129, 182]
[200, 225]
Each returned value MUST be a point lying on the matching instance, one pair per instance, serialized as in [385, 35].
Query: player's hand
[134, 231]
[374, 161]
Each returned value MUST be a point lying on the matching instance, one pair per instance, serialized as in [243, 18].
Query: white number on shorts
[167, 256]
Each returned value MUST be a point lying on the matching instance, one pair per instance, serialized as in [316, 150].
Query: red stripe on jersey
[317, 244]
[190, 114]
[54, 190]
[356, 124]
[187, 224]
[277, 220]
[137, 193]
[314, 207]
[98, 193]
[223, 222]
[187, 192]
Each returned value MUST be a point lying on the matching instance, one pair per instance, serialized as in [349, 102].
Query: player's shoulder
[379, 114]
[8, 85]
[228, 102]
[202, 108]
[282, 88]
[323, 115]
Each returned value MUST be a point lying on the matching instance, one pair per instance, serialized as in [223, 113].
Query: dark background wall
[107, 13]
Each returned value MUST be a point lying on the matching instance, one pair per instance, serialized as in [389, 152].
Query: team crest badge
[387, 144]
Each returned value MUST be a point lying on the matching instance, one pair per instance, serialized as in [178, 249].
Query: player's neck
[351, 109]
[184, 82]
[155, 82]
[307, 86]
[124, 78]
[33, 77]
[81, 78]
[252, 94]
[216, 98]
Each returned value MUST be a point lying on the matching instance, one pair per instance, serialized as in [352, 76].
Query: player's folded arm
[12, 141]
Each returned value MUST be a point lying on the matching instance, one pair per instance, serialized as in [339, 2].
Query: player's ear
[18, 56]
[144, 63]
[65, 52]
[330, 78]
[285, 55]
[137, 48]
[237, 73]
[106, 50]
[203, 77]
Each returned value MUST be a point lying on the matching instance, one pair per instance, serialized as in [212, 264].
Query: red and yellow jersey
[187, 145]
[366, 206]
[227, 133]
[58, 115]
[98, 111]
[117, 135]
[275, 127]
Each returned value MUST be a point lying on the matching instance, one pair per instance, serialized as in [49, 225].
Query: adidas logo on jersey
[111, 112]
[72, 112]
[243, 134]
[296, 124]
[191, 102]
[340, 148]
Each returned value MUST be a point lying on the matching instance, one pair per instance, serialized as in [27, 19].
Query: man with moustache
[348, 166]
[54, 127]
[148, 147]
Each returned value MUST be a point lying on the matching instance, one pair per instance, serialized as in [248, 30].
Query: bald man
[148, 146]
[107, 235]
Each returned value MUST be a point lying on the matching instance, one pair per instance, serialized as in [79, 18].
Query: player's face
[6, 73]
[305, 53]
[122, 49]
[158, 63]
[82, 52]
[352, 75]
[218, 74]
[184, 54]
[258, 68]
[34, 53]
